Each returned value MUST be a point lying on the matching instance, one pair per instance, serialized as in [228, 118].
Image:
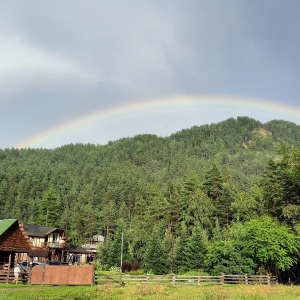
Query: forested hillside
[216, 198]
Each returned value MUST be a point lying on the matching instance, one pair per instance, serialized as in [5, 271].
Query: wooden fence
[173, 279]
[7, 276]
[63, 275]
[100, 278]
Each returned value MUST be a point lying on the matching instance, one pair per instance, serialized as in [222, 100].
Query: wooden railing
[185, 279]
[7, 276]
[58, 245]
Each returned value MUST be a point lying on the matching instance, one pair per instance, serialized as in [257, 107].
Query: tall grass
[112, 292]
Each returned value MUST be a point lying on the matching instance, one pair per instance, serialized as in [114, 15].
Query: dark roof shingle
[37, 230]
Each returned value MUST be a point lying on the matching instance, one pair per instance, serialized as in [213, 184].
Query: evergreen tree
[196, 207]
[110, 253]
[181, 262]
[50, 208]
[280, 185]
[227, 197]
[214, 187]
[155, 258]
[196, 249]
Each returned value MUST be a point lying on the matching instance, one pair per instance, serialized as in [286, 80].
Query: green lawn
[110, 291]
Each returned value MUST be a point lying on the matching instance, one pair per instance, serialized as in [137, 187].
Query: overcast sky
[63, 60]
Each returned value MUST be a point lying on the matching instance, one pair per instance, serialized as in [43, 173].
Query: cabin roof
[5, 224]
[76, 249]
[13, 237]
[39, 231]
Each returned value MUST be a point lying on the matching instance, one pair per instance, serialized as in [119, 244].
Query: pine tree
[155, 258]
[181, 263]
[196, 207]
[50, 208]
[196, 249]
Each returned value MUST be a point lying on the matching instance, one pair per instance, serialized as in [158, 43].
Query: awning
[13, 249]
[38, 253]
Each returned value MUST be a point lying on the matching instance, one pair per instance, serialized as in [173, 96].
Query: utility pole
[121, 261]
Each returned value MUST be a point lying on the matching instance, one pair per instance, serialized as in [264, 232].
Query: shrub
[137, 272]
[136, 266]
[126, 266]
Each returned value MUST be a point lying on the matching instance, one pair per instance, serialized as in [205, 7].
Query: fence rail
[7, 276]
[185, 279]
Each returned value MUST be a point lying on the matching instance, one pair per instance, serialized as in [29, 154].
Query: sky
[95, 71]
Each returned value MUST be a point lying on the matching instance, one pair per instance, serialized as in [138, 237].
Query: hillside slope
[104, 182]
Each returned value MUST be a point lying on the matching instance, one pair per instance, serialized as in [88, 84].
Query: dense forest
[210, 199]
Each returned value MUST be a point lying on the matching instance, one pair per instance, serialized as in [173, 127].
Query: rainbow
[155, 105]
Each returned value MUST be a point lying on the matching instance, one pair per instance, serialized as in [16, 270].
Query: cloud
[62, 59]
[23, 61]
[136, 44]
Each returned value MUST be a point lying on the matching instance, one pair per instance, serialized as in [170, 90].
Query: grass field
[109, 291]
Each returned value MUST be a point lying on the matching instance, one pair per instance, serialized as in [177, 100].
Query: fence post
[148, 278]
[173, 279]
[222, 278]
[198, 279]
[246, 278]
[269, 279]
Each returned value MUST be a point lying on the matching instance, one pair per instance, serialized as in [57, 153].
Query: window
[55, 237]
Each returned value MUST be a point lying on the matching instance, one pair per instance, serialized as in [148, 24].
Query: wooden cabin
[49, 238]
[14, 243]
[28, 242]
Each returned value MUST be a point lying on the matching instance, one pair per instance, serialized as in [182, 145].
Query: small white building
[94, 243]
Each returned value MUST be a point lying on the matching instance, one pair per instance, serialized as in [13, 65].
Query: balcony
[90, 246]
[57, 245]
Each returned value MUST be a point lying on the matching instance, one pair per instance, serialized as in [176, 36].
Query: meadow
[111, 292]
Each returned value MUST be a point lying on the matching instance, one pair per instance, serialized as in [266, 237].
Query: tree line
[215, 198]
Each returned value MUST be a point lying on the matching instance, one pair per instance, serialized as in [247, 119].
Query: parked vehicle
[25, 266]
[57, 263]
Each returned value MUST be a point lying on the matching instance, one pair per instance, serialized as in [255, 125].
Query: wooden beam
[8, 270]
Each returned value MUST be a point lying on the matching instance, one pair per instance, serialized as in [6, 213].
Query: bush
[126, 266]
[98, 266]
[114, 269]
[136, 266]
[137, 272]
